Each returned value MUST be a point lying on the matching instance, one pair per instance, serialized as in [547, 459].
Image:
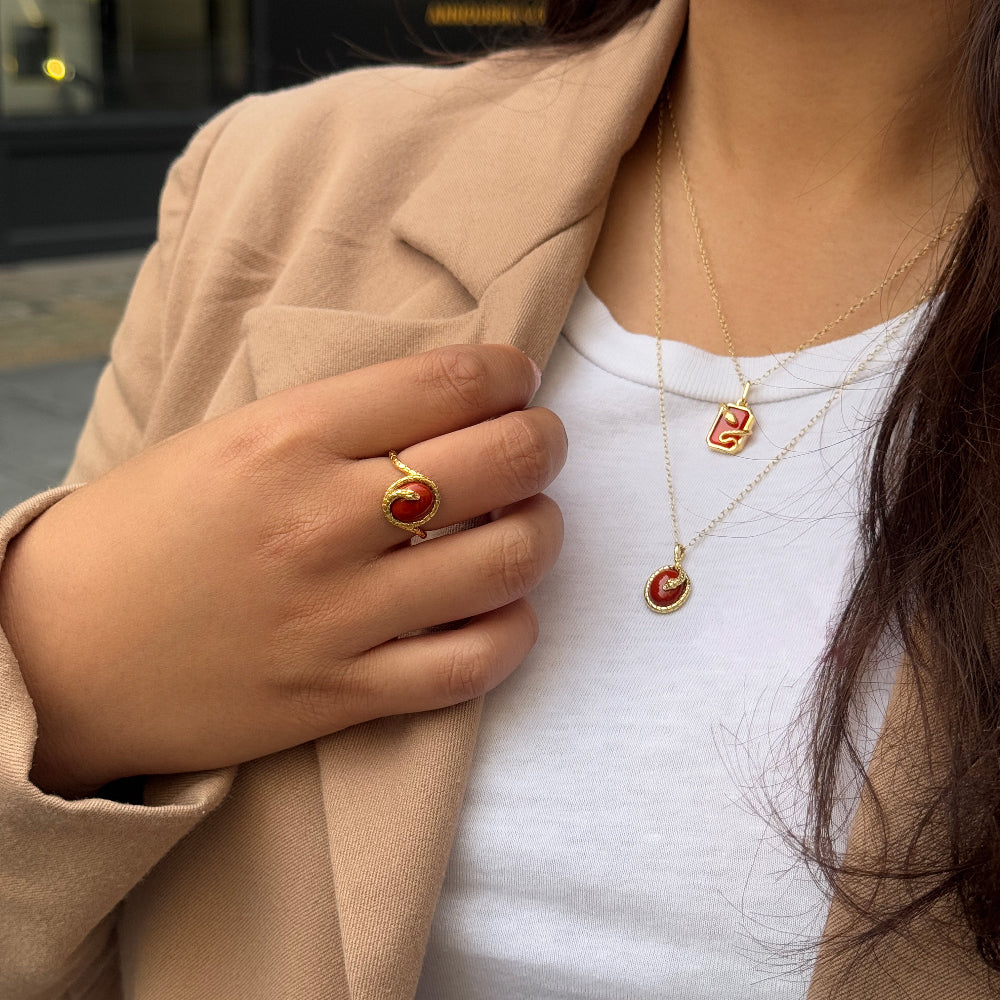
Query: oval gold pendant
[667, 589]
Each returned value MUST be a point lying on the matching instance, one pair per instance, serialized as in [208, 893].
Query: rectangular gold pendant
[732, 427]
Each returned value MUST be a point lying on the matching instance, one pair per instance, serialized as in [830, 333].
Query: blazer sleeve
[66, 865]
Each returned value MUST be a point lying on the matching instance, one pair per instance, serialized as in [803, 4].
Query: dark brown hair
[589, 20]
[929, 569]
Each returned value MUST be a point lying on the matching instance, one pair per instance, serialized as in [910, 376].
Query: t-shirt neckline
[698, 374]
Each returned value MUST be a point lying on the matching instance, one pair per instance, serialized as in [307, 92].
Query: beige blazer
[303, 234]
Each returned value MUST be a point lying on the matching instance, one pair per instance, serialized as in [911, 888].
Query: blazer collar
[577, 116]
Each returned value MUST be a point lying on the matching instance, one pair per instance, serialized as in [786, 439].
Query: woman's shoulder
[382, 106]
[348, 146]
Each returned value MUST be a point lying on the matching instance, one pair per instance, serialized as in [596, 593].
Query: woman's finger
[465, 574]
[477, 469]
[425, 672]
[390, 406]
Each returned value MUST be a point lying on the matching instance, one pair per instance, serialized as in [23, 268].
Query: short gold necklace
[669, 587]
[735, 422]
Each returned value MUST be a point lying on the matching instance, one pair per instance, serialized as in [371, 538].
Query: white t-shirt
[615, 841]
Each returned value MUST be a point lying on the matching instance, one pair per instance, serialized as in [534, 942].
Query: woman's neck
[824, 144]
[791, 95]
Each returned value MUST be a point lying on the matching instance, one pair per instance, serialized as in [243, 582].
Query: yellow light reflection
[55, 69]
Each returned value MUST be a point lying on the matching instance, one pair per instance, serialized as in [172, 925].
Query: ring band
[411, 501]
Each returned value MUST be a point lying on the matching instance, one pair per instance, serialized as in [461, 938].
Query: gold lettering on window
[485, 15]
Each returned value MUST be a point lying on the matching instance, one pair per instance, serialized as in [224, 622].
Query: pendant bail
[746, 393]
[678, 554]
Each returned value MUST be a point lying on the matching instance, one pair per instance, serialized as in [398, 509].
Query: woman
[228, 591]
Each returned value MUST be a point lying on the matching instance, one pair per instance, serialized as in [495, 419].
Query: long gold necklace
[669, 587]
[735, 422]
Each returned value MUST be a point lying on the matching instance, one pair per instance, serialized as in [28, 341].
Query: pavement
[56, 322]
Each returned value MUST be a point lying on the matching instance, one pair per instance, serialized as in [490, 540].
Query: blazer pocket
[289, 345]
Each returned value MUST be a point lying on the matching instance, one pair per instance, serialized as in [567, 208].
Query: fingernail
[538, 375]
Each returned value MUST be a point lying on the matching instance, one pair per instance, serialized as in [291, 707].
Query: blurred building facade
[98, 96]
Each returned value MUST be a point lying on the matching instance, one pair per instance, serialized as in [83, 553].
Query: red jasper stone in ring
[411, 511]
[664, 590]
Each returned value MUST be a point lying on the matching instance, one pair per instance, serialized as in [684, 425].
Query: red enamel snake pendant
[670, 586]
[733, 425]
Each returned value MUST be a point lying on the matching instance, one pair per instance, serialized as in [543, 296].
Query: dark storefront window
[97, 97]
[70, 57]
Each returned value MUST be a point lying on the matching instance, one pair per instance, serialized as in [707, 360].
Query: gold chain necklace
[735, 422]
[669, 587]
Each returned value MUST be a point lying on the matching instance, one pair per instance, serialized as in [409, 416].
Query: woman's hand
[235, 590]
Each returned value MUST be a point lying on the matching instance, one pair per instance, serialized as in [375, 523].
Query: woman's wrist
[59, 763]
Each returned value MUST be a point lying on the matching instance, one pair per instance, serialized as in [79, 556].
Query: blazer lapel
[288, 345]
[543, 152]
[392, 790]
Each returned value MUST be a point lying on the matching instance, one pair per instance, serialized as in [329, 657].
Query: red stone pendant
[669, 587]
[733, 425]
